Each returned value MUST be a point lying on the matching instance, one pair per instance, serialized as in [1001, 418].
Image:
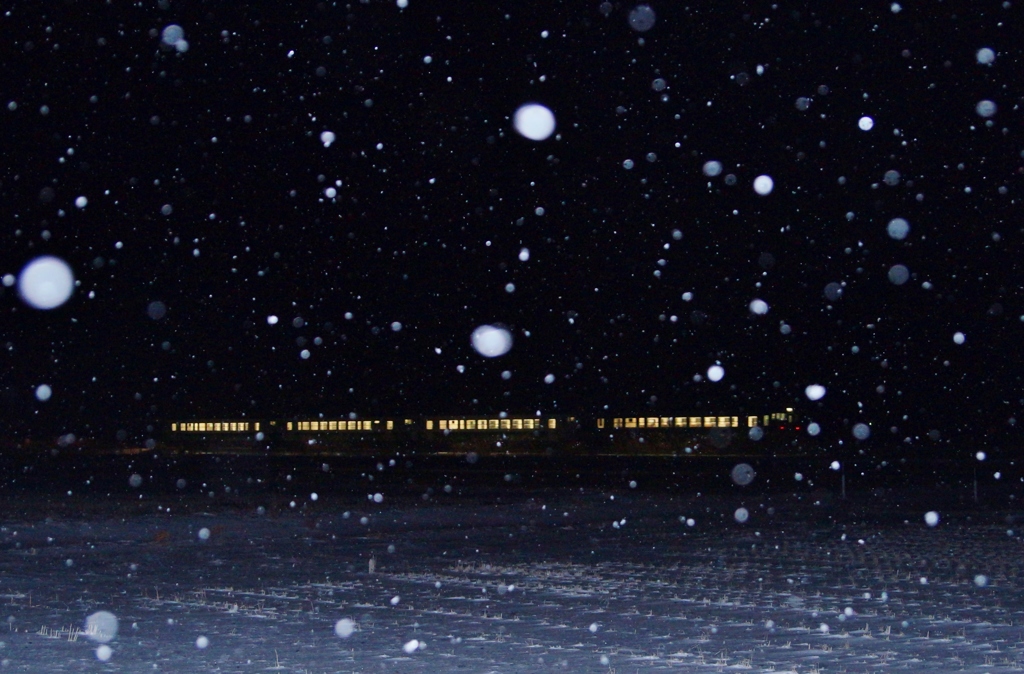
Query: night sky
[205, 178]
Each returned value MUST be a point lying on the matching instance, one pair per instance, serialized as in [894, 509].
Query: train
[775, 433]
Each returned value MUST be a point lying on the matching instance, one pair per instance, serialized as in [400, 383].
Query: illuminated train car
[541, 435]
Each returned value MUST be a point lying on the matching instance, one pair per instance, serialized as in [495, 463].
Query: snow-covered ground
[575, 581]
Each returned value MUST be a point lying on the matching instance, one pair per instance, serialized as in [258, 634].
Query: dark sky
[439, 194]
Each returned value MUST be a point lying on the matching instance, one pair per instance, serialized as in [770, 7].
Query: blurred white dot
[712, 168]
[899, 274]
[741, 515]
[898, 228]
[104, 653]
[865, 123]
[931, 518]
[815, 392]
[272, 320]
[985, 108]
[981, 580]
[593, 628]
[491, 341]
[202, 642]
[330, 192]
[641, 18]
[980, 456]
[314, 496]
[172, 35]
[304, 354]
[534, 121]
[204, 534]
[524, 254]
[43, 393]
[46, 282]
[402, 4]
[9, 280]
[135, 481]
[395, 600]
[410, 647]
[396, 327]
[81, 202]
[101, 626]
[549, 379]
[759, 307]
[716, 372]
[327, 137]
[861, 431]
[813, 428]
[799, 477]
[835, 465]
[344, 628]
[764, 185]
[959, 338]
[985, 56]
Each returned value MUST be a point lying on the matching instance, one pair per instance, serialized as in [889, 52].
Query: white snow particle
[101, 627]
[959, 338]
[46, 282]
[43, 393]
[815, 392]
[411, 647]
[741, 515]
[81, 202]
[491, 341]
[716, 372]
[865, 123]
[202, 642]
[931, 518]
[764, 185]
[344, 628]
[204, 534]
[534, 121]
[759, 307]
[103, 653]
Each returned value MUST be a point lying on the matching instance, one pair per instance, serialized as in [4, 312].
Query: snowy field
[597, 581]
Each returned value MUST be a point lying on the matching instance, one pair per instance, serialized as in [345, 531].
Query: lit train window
[709, 422]
[552, 423]
[600, 423]
[430, 424]
[695, 422]
[504, 424]
[653, 422]
[734, 422]
[617, 422]
[665, 422]
[631, 422]
[174, 427]
[752, 421]
[390, 424]
[517, 424]
[723, 422]
[679, 422]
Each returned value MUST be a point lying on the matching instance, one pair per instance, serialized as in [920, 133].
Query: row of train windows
[676, 422]
[526, 424]
[215, 426]
[694, 422]
[350, 425]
